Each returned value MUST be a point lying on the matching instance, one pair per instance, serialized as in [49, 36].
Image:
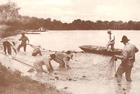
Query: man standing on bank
[23, 40]
[8, 46]
[127, 58]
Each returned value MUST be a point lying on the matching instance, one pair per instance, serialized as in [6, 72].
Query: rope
[22, 62]
[18, 60]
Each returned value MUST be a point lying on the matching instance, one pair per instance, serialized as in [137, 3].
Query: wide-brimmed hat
[109, 32]
[124, 39]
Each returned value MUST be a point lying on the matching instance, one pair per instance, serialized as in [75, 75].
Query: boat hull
[100, 50]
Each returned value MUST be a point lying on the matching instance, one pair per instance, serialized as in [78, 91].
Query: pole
[32, 67]
[22, 62]
[19, 61]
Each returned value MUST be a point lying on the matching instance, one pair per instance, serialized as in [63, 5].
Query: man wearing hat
[111, 41]
[127, 58]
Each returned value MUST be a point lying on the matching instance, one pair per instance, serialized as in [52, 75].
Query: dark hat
[68, 52]
[109, 32]
[124, 39]
[52, 56]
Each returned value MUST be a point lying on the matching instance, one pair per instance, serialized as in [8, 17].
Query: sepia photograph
[69, 47]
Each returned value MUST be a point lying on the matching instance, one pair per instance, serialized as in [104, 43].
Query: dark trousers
[61, 65]
[111, 45]
[22, 45]
[49, 68]
[124, 69]
[7, 49]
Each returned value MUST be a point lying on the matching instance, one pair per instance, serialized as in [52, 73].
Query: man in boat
[127, 58]
[8, 46]
[23, 40]
[111, 41]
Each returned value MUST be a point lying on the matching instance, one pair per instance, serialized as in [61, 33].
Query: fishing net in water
[111, 68]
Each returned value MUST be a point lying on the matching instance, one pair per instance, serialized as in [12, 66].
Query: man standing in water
[23, 40]
[111, 41]
[127, 58]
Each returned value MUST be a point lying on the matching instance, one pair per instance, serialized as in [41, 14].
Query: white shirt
[129, 51]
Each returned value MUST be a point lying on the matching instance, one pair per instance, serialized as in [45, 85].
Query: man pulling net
[61, 58]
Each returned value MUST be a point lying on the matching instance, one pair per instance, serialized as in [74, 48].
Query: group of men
[61, 58]
[8, 45]
[127, 58]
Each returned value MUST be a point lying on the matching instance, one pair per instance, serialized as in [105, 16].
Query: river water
[71, 40]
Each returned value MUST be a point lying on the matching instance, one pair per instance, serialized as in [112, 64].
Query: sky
[69, 10]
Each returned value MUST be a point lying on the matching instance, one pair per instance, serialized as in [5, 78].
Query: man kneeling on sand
[61, 58]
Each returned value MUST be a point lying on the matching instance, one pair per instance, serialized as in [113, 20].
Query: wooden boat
[100, 50]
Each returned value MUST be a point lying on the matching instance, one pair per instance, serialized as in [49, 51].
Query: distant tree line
[35, 23]
[9, 15]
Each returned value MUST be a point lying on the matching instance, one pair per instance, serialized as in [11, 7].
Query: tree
[9, 12]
